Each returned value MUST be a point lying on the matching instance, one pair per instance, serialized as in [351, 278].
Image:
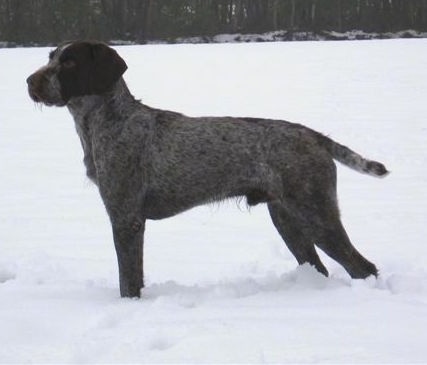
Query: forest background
[47, 22]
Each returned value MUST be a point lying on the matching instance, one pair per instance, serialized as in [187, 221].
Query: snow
[284, 35]
[221, 285]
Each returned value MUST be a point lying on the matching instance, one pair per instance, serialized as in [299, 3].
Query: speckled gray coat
[152, 164]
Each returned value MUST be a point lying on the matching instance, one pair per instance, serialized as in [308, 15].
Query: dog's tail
[352, 159]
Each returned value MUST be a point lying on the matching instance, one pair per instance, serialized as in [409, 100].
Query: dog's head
[76, 69]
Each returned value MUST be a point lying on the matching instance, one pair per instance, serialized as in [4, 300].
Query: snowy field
[221, 285]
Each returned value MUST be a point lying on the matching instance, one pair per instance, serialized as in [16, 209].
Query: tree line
[140, 21]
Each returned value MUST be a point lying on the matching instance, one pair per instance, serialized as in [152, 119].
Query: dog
[152, 164]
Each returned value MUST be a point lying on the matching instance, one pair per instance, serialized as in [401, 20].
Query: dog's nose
[30, 80]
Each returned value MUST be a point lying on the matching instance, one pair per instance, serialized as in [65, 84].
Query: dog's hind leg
[334, 241]
[297, 239]
[329, 234]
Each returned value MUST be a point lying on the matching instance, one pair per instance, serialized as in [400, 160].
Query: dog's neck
[116, 100]
[95, 112]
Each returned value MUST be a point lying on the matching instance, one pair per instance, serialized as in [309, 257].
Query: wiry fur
[152, 164]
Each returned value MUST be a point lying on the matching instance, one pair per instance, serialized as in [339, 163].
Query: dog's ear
[107, 68]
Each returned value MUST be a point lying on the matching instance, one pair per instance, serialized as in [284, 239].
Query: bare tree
[51, 21]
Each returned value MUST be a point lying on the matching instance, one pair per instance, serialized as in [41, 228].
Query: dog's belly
[160, 205]
[156, 208]
[171, 199]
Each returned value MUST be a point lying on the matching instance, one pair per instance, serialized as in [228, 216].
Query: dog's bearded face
[75, 69]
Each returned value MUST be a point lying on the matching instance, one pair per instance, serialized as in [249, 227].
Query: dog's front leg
[129, 242]
[119, 182]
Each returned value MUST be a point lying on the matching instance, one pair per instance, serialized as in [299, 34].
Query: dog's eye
[68, 63]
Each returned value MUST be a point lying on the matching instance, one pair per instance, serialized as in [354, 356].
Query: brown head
[76, 69]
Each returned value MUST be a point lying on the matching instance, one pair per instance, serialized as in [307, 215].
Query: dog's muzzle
[38, 89]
